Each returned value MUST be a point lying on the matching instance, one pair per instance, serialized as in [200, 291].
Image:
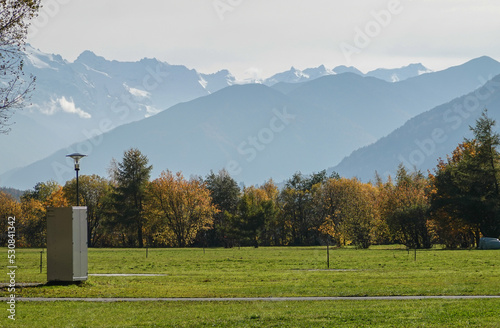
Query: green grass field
[265, 272]
[421, 313]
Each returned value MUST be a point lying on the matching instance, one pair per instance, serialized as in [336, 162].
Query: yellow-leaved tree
[255, 222]
[34, 203]
[347, 208]
[178, 209]
[404, 207]
[9, 207]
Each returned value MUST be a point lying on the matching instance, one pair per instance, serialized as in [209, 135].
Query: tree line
[454, 205]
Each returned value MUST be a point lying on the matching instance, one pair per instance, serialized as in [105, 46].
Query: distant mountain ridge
[390, 75]
[400, 74]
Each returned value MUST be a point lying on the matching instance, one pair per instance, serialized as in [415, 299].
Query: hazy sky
[264, 37]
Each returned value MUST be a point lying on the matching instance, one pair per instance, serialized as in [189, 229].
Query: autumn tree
[130, 178]
[346, 207]
[271, 233]
[32, 224]
[95, 194]
[452, 229]
[42, 191]
[249, 218]
[225, 194]
[482, 176]
[15, 88]
[179, 208]
[405, 209]
[380, 230]
[9, 207]
[254, 223]
[297, 208]
[466, 186]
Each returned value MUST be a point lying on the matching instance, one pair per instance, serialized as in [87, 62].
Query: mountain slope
[427, 137]
[369, 103]
[251, 130]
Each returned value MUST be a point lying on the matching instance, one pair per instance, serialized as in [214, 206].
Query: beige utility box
[67, 258]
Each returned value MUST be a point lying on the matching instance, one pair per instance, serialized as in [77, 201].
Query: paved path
[127, 275]
[247, 299]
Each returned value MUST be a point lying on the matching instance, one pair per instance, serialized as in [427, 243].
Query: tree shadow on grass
[5, 286]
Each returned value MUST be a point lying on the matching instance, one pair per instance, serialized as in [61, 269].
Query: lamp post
[76, 157]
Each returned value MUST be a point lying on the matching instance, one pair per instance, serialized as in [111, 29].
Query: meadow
[267, 272]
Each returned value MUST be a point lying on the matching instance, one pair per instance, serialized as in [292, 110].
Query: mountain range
[74, 101]
[255, 131]
[390, 75]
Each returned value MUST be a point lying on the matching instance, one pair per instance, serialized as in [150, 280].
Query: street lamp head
[76, 157]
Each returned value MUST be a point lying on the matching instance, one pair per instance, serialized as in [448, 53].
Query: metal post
[328, 256]
[328, 252]
[77, 168]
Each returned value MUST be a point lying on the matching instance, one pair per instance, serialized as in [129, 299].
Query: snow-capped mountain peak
[296, 76]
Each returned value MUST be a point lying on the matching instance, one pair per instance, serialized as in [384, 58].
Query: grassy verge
[291, 271]
[417, 313]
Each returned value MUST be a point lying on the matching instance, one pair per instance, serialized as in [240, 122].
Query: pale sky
[263, 37]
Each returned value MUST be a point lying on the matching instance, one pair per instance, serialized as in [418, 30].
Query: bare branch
[15, 88]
